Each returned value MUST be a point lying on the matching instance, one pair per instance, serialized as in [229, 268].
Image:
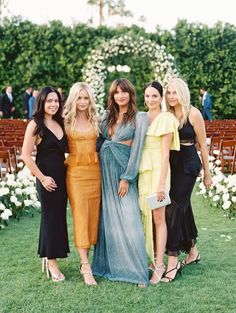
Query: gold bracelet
[43, 180]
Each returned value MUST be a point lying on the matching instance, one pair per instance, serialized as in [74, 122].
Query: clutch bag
[153, 203]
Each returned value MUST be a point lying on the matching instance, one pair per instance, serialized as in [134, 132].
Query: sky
[163, 12]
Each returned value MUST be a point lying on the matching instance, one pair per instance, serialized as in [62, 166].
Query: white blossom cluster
[96, 70]
[17, 193]
[223, 190]
[119, 68]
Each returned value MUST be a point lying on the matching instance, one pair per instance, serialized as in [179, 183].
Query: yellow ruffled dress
[149, 170]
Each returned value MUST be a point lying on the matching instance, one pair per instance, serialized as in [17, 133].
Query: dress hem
[121, 279]
[86, 247]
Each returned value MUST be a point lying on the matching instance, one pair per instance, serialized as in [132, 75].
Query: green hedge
[54, 54]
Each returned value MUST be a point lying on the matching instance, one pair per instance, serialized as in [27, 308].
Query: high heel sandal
[55, 278]
[88, 276]
[198, 259]
[44, 260]
[159, 271]
[170, 279]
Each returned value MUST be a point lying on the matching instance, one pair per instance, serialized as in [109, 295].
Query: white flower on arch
[95, 71]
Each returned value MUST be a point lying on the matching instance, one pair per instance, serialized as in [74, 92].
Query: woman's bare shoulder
[195, 115]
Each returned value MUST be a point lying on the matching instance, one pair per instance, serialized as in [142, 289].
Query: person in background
[83, 171]
[7, 107]
[185, 167]
[25, 101]
[206, 103]
[32, 103]
[46, 131]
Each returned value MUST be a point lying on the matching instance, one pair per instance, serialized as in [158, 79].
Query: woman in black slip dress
[46, 131]
[185, 167]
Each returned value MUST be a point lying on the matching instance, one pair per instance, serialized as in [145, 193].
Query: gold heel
[47, 269]
[88, 275]
[159, 271]
[44, 264]
[55, 278]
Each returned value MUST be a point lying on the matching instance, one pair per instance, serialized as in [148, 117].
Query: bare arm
[165, 154]
[199, 128]
[30, 141]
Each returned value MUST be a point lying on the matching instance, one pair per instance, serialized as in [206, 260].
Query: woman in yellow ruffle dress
[154, 174]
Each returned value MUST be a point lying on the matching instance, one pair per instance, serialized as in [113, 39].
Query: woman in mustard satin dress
[154, 174]
[83, 171]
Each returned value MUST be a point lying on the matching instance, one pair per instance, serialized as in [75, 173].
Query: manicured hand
[123, 188]
[49, 183]
[161, 192]
[207, 180]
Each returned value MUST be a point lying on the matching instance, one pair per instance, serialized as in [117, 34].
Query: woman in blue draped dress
[120, 251]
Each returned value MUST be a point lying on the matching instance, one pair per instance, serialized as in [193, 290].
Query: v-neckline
[117, 126]
[55, 135]
[154, 119]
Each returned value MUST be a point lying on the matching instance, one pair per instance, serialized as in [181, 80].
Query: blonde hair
[183, 96]
[70, 108]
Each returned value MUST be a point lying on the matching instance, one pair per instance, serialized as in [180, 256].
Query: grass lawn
[209, 286]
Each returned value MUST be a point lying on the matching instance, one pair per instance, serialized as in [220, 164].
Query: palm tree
[115, 7]
[99, 3]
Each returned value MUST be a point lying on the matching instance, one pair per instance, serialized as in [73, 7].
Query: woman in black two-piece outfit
[185, 167]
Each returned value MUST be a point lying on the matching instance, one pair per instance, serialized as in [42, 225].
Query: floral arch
[96, 69]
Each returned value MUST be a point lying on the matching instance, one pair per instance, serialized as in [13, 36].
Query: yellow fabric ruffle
[165, 123]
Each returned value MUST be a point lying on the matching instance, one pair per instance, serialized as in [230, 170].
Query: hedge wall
[54, 54]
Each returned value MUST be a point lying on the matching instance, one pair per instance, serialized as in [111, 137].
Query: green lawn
[209, 286]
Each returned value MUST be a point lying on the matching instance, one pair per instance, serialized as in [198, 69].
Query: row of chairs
[11, 140]
[226, 148]
[220, 128]
[222, 137]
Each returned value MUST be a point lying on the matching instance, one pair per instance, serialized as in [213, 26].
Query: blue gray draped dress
[120, 250]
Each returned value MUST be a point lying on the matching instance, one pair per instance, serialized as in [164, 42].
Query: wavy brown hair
[113, 108]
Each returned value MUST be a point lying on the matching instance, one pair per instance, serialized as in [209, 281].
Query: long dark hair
[38, 115]
[113, 108]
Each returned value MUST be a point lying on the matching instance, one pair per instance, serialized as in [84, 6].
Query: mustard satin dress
[149, 170]
[84, 186]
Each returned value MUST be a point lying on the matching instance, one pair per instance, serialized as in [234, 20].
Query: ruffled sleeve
[141, 126]
[166, 123]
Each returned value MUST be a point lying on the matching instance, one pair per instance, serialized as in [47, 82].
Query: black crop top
[187, 133]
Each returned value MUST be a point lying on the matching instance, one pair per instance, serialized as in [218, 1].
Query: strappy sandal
[167, 279]
[88, 275]
[55, 278]
[198, 259]
[159, 271]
